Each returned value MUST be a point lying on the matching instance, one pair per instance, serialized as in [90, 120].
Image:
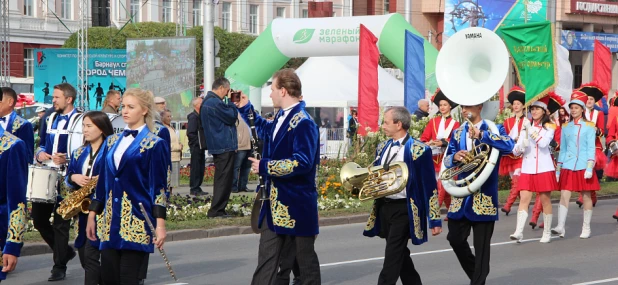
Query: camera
[235, 96]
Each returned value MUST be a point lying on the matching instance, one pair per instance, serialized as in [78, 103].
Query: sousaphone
[471, 67]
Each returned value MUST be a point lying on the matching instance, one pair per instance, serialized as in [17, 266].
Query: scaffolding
[5, 65]
[82, 56]
[180, 19]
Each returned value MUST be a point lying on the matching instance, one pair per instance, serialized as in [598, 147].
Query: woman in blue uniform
[83, 169]
[134, 170]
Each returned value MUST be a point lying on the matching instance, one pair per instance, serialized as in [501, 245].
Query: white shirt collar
[139, 130]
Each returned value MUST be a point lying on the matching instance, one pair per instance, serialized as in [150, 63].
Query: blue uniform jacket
[22, 129]
[483, 205]
[577, 145]
[421, 193]
[79, 157]
[13, 181]
[289, 165]
[140, 178]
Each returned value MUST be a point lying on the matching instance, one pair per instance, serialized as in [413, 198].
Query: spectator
[197, 146]
[175, 147]
[242, 165]
[112, 102]
[40, 112]
[160, 104]
[353, 126]
[423, 109]
[219, 116]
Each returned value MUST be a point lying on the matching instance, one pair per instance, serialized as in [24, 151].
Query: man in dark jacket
[423, 109]
[197, 145]
[219, 117]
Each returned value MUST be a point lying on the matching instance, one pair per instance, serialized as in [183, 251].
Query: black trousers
[89, 256]
[395, 228]
[56, 235]
[269, 255]
[224, 174]
[198, 163]
[121, 267]
[475, 265]
[143, 270]
[287, 263]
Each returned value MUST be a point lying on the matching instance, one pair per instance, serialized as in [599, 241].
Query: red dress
[509, 163]
[431, 133]
[601, 159]
[612, 167]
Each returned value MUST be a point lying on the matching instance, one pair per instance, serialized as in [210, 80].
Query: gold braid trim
[17, 225]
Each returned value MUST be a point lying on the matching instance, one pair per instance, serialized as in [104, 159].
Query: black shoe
[579, 203]
[198, 193]
[57, 276]
[296, 281]
[224, 216]
[141, 282]
[532, 224]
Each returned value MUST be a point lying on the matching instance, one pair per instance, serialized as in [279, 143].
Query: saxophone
[77, 201]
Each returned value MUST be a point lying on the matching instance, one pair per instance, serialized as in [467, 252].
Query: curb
[191, 234]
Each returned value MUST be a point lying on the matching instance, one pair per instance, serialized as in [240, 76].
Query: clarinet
[161, 251]
[257, 153]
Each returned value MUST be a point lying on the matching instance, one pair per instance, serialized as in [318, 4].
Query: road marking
[598, 281]
[425, 253]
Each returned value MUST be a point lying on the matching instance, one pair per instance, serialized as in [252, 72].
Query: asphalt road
[349, 258]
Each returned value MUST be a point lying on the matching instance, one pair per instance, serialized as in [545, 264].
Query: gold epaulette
[565, 124]
[590, 124]
[551, 125]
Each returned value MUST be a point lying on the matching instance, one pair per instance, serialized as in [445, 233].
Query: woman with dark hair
[537, 170]
[563, 115]
[575, 169]
[82, 172]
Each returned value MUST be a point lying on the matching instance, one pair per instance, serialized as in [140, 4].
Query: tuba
[477, 59]
[374, 182]
[77, 201]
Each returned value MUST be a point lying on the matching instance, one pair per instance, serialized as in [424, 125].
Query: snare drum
[42, 184]
[76, 134]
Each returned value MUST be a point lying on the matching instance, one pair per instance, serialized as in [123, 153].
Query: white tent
[333, 82]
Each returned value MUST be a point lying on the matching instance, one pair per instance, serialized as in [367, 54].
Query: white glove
[526, 124]
[587, 174]
[557, 176]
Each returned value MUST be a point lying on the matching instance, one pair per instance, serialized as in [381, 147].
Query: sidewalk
[184, 189]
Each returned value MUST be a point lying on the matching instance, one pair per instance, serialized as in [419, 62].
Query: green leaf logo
[303, 36]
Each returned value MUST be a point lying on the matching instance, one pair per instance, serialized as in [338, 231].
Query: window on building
[134, 10]
[65, 9]
[305, 13]
[28, 63]
[387, 6]
[280, 12]
[577, 76]
[197, 12]
[29, 7]
[167, 11]
[253, 19]
[226, 16]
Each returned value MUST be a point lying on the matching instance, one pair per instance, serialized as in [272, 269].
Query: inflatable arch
[313, 37]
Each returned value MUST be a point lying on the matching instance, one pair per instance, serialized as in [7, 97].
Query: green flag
[533, 52]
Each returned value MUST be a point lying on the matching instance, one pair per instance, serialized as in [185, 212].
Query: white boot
[586, 225]
[562, 214]
[518, 235]
[546, 229]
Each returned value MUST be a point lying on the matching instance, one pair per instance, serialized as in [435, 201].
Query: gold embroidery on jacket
[17, 124]
[417, 150]
[132, 228]
[78, 152]
[104, 221]
[296, 119]
[161, 199]
[169, 177]
[371, 222]
[17, 225]
[148, 142]
[281, 217]
[418, 233]
[434, 207]
[455, 205]
[111, 140]
[281, 167]
[483, 205]
[457, 135]
[7, 141]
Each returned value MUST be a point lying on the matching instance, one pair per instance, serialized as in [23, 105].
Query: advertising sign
[594, 7]
[106, 71]
[574, 40]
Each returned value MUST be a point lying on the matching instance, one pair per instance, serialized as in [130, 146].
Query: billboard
[594, 7]
[490, 14]
[165, 66]
[106, 71]
[574, 40]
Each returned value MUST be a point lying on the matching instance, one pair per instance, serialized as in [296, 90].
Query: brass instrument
[77, 201]
[470, 162]
[374, 181]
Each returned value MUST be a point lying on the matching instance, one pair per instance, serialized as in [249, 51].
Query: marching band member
[595, 93]
[437, 134]
[576, 162]
[612, 137]
[13, 184]
[15, 124]
[480, 210]
[511, 164]
[52, 152]
[82, 169]
[537, 170]
[288, 165]
[405, 215]
[135, 167]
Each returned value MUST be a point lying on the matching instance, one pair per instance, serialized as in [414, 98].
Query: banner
[602, 66]
[564, 87]
[106, 71]
[414, 76]
[368, 107]
[490, 14]
[532, 49]
[574, 40]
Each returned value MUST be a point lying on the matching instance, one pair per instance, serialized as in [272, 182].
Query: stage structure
[82, 56]
[5, 70]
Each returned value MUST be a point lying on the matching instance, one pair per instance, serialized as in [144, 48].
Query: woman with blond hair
[134, 173]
